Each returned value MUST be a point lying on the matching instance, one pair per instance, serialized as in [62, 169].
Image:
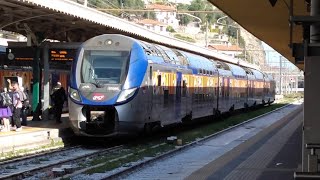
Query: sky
[273, 57]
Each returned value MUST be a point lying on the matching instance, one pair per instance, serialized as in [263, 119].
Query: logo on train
[98, 97]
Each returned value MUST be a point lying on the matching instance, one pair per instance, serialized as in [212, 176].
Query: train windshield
[104, 67]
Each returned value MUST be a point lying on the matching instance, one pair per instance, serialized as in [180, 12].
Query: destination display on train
[62, 54]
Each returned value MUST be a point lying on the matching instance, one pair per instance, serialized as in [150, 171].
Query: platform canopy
[267, 23]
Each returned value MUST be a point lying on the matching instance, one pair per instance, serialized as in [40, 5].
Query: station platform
[35, 135]
[274, 153]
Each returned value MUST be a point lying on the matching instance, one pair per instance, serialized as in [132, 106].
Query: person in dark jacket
[58, 97]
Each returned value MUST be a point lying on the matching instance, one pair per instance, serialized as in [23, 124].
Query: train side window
[184, 88]
[200, 71]
[159, 80]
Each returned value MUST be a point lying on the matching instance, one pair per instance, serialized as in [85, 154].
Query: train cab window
[107, 67]
[159, 80]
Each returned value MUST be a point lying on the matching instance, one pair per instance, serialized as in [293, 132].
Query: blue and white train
[120, 85]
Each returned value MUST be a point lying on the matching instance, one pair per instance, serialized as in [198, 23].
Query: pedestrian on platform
[58, 97]
[25, 107]
[5, 111]
[17, 105]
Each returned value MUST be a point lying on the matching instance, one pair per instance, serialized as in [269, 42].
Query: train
[121, 86]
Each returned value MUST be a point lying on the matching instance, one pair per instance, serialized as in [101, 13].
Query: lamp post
[280, 75]
[228, 25]
[200, 21]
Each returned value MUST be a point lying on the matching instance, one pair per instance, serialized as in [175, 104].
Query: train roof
[199, 62]
[237, 71]
[259, 75]
[270, 77]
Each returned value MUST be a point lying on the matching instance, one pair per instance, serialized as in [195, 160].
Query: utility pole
[85, 3]
[122, 8]
[206, 33]
[280, 76]
[238, 36]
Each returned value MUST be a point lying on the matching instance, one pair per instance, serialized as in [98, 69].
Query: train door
[247, 86]
[178, 96]
[157, 95]
[185, 97]
[222, 100]
[216, 91]
[150, 92]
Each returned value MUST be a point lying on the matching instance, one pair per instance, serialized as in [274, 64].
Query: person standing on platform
[5, 110]
[58, 97]
[17, 105]
[25, 106]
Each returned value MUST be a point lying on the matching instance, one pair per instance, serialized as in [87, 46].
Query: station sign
[27, 54]
[62, 54]
[20, 53]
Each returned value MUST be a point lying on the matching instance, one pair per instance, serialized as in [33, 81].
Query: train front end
[105, 81]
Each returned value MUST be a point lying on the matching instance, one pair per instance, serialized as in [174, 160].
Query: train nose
[100, 94]
[99, 119]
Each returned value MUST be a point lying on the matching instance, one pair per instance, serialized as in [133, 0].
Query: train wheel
[150, 128]
[187, 118]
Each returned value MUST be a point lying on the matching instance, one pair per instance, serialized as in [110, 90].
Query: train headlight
[74, 94]
[126, 94]
[108, 42]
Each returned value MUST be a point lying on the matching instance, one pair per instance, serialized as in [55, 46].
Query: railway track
[129, 167]
[81, 158]
[124, 172]
[27, 167]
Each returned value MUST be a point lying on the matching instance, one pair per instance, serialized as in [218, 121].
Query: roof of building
[161, 7]
[151, 22]
[225, 47]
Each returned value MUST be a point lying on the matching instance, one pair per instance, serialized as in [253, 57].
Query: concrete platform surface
[35, 135]
[267, 148]
[274, 153]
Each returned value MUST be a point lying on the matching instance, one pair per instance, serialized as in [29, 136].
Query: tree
[150, 15]
[170, 29]
[201, 5]
[133, 4]
[198, 5]
[183, 19]
[118, 4]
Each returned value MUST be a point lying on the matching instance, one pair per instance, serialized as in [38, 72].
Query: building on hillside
[168, 1]
[193, 28]
[188, 2]
[156, 26]
[220, 39]
[230, 50]
[165, 14]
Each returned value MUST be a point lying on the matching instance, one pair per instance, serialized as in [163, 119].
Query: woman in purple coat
[5, 110]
